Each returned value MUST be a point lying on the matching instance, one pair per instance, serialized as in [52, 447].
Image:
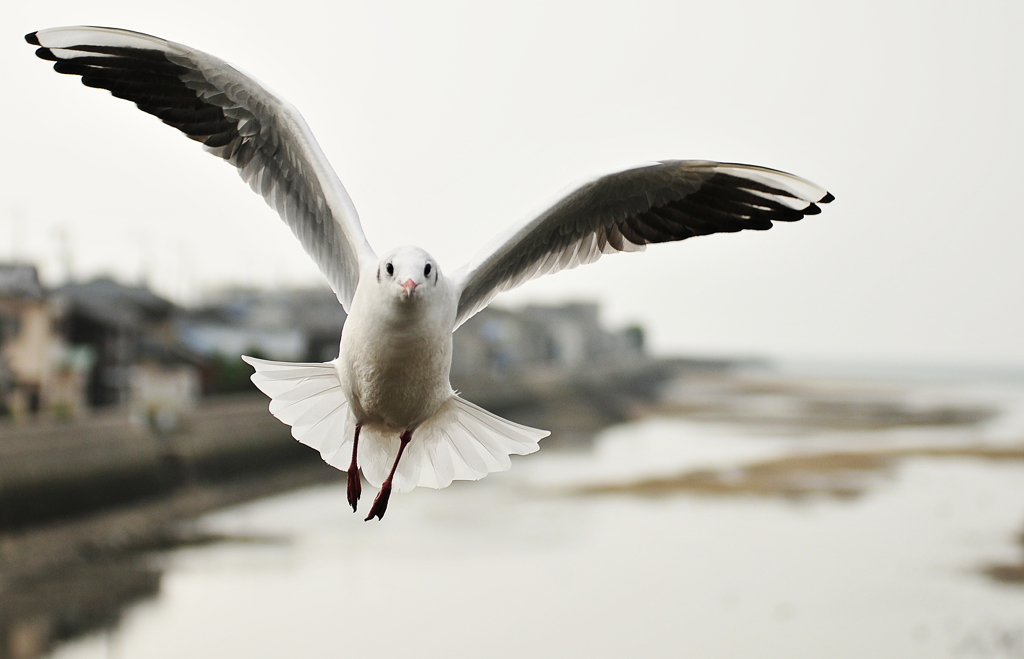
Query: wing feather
[627, 210]
[237, 119]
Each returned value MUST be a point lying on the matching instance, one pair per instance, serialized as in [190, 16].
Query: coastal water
[766, 516]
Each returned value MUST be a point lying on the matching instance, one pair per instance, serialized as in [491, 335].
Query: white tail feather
[459, 442]
[310, 399]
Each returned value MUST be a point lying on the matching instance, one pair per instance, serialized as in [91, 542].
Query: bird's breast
[397, 372]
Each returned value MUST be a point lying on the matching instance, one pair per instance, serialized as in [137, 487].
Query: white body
[396, 350]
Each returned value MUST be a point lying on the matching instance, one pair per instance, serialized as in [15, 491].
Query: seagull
[385, 405]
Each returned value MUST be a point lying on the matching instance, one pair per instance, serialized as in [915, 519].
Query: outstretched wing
[623, 212]
[236, 118]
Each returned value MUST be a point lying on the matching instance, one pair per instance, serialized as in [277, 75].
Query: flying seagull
[385, 405]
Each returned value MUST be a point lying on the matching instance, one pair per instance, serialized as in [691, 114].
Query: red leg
[380, 504]
[355, 486]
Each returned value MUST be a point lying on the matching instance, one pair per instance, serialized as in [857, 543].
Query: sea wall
[51, 469]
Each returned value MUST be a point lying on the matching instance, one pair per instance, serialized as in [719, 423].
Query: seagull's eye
[426, 270]
[390, 268]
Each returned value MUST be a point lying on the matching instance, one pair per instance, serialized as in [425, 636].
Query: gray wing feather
[237, 119]
[627, 210]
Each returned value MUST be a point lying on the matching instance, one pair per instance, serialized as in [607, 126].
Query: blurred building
[104, 344]
[126, 338]
[89, 345]
[30, 346]
[562, 339]
[287, 325]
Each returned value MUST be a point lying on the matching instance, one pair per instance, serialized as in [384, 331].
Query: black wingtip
[32, 38]
[827, 198]
[46, 54]
[811, 210]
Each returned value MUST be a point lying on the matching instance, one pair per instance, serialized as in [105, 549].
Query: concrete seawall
[51, 469]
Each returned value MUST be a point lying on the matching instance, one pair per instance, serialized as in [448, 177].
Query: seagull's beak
[408, 287]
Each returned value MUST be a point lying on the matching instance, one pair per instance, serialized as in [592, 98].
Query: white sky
[449, 120]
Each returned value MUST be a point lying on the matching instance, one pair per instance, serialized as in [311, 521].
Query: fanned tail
[310, 399]
[461, 441]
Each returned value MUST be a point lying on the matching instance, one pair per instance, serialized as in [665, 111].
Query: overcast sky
[449, 120]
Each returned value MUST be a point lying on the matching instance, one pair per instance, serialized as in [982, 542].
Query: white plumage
[460, 441]
[385, 405]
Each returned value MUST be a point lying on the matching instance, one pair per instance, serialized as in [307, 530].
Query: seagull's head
[408, 275]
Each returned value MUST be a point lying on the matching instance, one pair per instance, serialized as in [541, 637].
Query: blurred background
[800, 442]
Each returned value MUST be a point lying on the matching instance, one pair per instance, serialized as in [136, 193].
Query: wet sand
[841, 475]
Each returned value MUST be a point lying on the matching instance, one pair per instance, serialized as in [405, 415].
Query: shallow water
[523, 564]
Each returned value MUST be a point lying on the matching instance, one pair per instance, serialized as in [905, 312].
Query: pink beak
[408, 287]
